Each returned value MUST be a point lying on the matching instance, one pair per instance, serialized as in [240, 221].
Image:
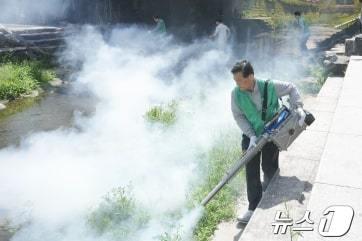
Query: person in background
[302, 28]
[221, 34]
[160, 25]
[251, 113]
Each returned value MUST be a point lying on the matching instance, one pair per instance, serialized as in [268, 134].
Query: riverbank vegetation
[117, 215]
[21, 77]
[118, 209]
[164, 114]
[215, 164]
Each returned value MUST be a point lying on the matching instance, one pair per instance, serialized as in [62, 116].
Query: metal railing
[347, 24]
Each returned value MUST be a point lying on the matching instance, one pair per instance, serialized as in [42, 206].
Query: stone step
[23, 49]
[47, 42]
[28, 29]
[42, 35]
[28, 37]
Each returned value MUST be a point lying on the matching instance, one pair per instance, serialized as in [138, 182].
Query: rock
[331, 57]
[358, 45]
[349, 49]
[2, 106]
[32, 94]
[327, 63]
[4, 102]
[56, 82]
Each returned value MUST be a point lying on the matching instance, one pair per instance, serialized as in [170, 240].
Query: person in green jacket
[247, 105]
[160, 25]
[302, 29]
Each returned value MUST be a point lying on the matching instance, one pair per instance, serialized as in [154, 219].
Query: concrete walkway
[322, 168]
[339, 179]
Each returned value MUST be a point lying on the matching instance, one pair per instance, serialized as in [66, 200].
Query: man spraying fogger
[254, 102]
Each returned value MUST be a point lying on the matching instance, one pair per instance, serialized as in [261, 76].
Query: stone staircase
[337, 36]
[22, 38]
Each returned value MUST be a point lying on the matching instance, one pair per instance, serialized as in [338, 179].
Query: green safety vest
[252, 114]
[161, 26]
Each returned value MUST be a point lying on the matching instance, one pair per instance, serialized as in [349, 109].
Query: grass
[8, 228]
[117, 215]
[215, 164]
[292, 233]
[319, 73]
[223, 207]
[18, 77]
[330, 19]
[16, 80]
[164, 114]
[280, 21]
[170, 237]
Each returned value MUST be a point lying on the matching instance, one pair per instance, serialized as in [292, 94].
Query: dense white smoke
[53, 178]
[30, 11]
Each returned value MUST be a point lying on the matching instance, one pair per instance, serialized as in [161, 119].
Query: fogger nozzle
[235, 169]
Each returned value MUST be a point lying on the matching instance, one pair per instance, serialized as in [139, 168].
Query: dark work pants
[269, 156]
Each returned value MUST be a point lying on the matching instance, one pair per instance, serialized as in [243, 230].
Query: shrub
[117, 215]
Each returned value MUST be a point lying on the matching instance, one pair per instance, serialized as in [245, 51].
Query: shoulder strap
[265, 100]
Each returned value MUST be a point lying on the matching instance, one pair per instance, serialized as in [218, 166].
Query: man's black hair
[156, 17]
[297, 13]
[219, 20]
[244, 67]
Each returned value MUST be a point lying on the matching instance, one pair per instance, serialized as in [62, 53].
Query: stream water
[44, 113]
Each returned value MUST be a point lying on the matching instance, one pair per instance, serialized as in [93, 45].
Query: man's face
[217, 23]
[244, 83]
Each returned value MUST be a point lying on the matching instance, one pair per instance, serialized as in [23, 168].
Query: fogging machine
[282, 130]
